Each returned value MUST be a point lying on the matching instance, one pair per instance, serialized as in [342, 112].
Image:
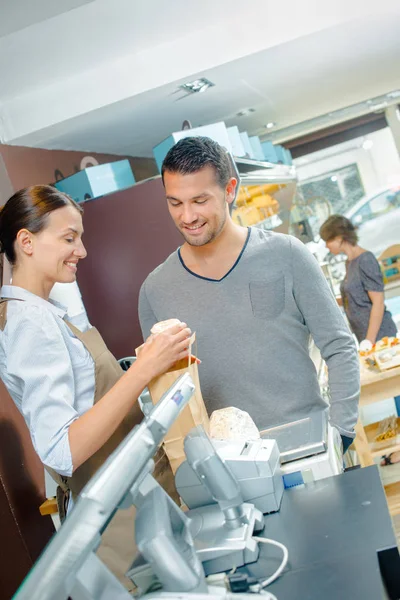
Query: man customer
[254, 298]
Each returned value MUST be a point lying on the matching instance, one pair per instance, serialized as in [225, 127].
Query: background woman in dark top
[361, 290]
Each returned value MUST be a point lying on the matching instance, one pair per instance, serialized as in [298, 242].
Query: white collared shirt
[48, 372]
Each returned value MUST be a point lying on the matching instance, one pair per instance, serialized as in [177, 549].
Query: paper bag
[192, 415]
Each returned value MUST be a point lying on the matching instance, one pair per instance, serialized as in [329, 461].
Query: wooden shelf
[386, 449]
[367, 449]
[392, 491]
[379, 448]
[372, 375]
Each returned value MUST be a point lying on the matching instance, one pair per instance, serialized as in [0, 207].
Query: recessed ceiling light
[197, 86]
[270, 125]
[367, 144]
[245, 112]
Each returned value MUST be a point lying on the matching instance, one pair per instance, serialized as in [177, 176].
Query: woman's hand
[162, 350]
[366, 346]
[91, 430]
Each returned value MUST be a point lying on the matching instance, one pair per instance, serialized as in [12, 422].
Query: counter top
[370, 375]
[332, 529]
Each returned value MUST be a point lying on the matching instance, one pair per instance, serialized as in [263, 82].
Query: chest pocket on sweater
[268, 297]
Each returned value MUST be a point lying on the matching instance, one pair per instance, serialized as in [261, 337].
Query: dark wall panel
[337, 134]
[127, 234]
[23, 531]
[23, 166]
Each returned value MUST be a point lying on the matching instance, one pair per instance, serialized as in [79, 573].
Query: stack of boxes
[239, 144]
[97, 181]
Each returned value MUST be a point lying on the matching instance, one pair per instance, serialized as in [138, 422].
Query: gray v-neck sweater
[253, 328]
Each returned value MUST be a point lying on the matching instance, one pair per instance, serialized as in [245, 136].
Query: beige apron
[118, 547]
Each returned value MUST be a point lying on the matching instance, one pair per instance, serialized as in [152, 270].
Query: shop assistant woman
[76, 401]
[362, 291]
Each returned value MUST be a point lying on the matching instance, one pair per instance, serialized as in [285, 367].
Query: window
[378, 205]
[363, 214]
[342, 188]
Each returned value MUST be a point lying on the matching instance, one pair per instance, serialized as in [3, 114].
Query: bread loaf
[163, 325]
[232, 424]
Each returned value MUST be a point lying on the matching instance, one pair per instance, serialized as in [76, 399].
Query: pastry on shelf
[387, 429]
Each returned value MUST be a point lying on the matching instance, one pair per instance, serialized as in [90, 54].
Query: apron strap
[3, 311]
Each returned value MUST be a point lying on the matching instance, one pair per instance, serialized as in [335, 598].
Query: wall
[24, 532]
[127, 234]
[378, 166]
[33, 166]
[385, 157]
[21, 167]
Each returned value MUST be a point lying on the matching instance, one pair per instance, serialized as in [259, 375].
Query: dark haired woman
[77, 402]
[361, 291]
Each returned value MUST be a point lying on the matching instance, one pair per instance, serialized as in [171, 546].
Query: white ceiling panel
[285, 84]
[18, 14]
[52, 72]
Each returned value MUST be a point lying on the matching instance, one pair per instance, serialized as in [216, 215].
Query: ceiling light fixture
[270, 125]
[197, 86]
[376, 106]
[367, 144]
[245, 112]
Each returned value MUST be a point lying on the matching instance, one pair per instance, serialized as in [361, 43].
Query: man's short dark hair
[191, 154]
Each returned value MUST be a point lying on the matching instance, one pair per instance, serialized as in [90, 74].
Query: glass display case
[266, 195]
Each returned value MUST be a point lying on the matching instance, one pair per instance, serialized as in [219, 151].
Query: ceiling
[104, 76]
[18, 14]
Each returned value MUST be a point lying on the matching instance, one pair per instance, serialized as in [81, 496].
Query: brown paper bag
[192, 415]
